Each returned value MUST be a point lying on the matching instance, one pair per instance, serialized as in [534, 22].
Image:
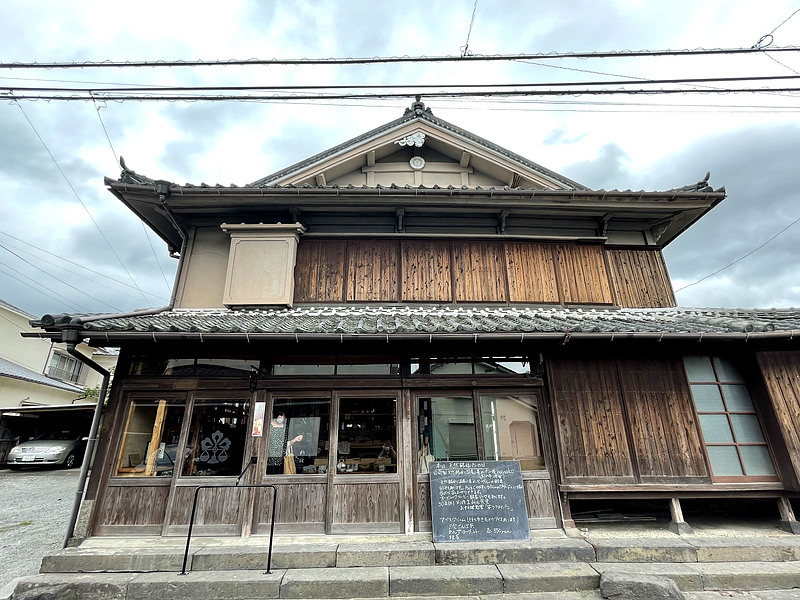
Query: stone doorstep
[423, 581]
[443, 581]
[745, 549]
[352, 582]
[386, 555]
[476, 553]
[716, 576]
[644, 550]
[232, 558]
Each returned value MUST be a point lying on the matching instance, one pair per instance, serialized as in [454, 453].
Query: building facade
[419, 294]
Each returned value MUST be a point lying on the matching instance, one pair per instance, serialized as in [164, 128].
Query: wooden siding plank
[372, 271]
[662, 421]
[781, 373]
[583, 274]
[366, 503]
[134, 505]
[539, 498]
[425, 271]
[587, 407]
[296, 503]
[214, 507]
[640, 278]
[319, 273]
[479, 272]
[531, 273]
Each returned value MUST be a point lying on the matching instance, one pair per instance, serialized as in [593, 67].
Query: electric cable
[74, 191]
[465, 48]
[385, 59]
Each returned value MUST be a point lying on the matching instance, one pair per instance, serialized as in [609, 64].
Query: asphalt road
[34, 510]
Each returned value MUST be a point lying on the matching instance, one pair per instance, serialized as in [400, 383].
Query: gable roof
[414, 117]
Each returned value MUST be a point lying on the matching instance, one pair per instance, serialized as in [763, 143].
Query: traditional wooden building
[418, 293]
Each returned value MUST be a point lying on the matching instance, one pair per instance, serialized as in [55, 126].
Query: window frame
[720, 384]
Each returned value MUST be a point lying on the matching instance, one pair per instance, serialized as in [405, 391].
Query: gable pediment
[419, 150]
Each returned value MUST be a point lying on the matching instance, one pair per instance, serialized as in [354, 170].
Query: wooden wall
[623, 421]
[414, 270]
[781, 373]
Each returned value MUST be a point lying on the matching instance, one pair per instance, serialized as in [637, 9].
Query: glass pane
[737, 398]
[698, 368]
[450, 368]
[222, 367]
[724, 461]
[726, 371]
[367, 436]
[447, 427]
[150, 440]
[283, 369]
[707, 398]
[375, 369]
[511, 430]
[747, 429]
[757, 460]
[298, 436]
[716, 429]
[217, 437]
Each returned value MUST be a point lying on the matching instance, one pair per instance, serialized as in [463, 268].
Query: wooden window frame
[720, 383]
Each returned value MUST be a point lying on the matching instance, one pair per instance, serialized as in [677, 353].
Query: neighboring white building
[36, 372]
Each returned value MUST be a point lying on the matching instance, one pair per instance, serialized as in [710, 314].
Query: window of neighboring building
[731, 429]
[65, 368]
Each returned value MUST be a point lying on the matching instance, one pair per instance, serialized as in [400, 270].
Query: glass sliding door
[447, 427]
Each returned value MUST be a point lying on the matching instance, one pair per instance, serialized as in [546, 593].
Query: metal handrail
[236, 485]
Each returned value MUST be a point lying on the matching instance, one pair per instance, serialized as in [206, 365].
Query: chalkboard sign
[478, 501]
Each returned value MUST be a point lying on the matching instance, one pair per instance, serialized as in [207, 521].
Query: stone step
[246, 556]
[442, 581]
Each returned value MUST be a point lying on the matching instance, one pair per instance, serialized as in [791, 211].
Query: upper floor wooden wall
[391, 270]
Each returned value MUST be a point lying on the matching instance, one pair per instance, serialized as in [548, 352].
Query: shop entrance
[334, 458]
[485, 425]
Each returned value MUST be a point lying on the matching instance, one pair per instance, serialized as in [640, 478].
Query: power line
[373, 96]
[384, 59]
[465, 48]
[398, 86]
[61, 299]
[69, 183]
[116, 161]
[103, 275]
[730, 264]
[69, 285]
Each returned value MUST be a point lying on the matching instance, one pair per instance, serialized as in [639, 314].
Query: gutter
[70, 336]
[521, 336]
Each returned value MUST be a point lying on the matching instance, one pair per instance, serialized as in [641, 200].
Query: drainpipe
[70, 336]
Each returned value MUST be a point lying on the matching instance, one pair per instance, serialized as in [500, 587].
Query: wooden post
[677, 524]
[788, 521]
[155, 439]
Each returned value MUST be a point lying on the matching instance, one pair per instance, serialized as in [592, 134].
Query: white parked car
[57, 448]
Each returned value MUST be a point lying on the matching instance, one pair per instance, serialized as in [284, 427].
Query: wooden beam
[320, 179]
[371, 158]
[465, 158]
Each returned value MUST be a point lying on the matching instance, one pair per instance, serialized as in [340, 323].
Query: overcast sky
[749, 142]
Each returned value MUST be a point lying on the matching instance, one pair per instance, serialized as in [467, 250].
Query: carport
[20, 423]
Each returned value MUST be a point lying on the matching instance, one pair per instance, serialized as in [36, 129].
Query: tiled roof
[15, 371]
[404, 319]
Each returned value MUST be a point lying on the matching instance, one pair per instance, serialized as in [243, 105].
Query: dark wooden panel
[214, 507]
[781, 372]
[423, 502]
[366, 503]
[479, 272]
[531, 273]
[661, 418]
[587, 409]
[539, 498]
[133, 505]
[372, 270]
[297, 503]
[640, 278]
[426, 274]
[582, 273]
[319, 273]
